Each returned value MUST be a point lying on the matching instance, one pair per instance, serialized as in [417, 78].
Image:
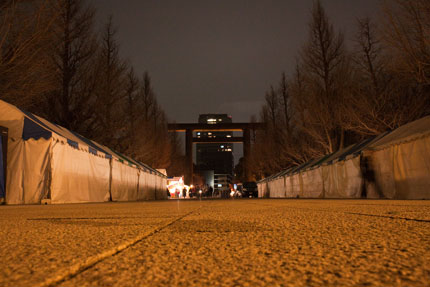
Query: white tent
[401, 162]
[397, 166]
[46, 161]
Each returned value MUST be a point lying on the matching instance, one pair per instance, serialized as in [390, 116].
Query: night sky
[218, 56]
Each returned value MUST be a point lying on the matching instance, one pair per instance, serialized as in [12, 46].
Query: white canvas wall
[161, 188]
[293, 184]
[402, 170]
[78, 176]
[313, 186]
[27, 170]
[278, 190]
[142, 186]
[261, 188]
[124, 182]
[342, 179]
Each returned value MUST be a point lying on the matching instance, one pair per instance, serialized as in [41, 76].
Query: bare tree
[271, 109]
[147, 97]
[131, 113]
[112, 89]
[323, 58]
[407, 37]
[381, 98]
[407, 31]
[24, 66]
[304, 116]
[336, 98]
[73, 48]
[177, 158]
[285, 98]
[150, 142]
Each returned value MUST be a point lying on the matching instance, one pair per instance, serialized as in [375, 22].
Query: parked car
[250, 189]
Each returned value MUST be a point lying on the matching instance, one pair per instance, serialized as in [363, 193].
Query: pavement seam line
[363, 214]
[93, 260]
[388, 216]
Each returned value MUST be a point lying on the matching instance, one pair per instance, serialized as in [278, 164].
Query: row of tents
[49, 163]
[394, 165]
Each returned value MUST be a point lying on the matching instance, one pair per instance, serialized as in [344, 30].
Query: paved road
[217, 243]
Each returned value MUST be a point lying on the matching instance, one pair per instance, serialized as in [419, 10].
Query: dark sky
[218, 56]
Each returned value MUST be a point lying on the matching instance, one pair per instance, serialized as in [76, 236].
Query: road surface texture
[217, 243]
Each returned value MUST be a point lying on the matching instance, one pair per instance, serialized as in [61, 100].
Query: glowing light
[176, 186]
[229, 136]
[222, 146]
[219, 185]
[200, 191]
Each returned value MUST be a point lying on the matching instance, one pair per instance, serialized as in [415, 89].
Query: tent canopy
[29, 126]
[406, 133]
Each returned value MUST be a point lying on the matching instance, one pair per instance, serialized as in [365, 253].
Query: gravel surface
[217, 243]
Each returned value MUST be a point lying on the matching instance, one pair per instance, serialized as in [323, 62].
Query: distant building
[217, 157]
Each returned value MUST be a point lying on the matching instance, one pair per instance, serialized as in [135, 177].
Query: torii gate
[188, 128]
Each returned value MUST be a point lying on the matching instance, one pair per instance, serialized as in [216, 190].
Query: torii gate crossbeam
[189, 128]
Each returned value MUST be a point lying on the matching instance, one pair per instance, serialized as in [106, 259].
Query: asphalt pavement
[259, 242]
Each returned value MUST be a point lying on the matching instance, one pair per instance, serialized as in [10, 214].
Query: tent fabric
[342, 179]
[2, 187]
[47, 161]
[393, 164]
[402, 171]
[295, 184]
[261, 187]
[409, 132]
[145, 190]
[27, 171]
[75, 172]
[125, 181]
[32, 130]
[401, 162]
[161, 188]
[278, 188]
[312, 186]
